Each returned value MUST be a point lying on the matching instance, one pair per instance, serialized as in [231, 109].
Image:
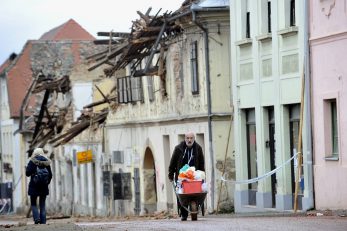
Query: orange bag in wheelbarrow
[193, 186]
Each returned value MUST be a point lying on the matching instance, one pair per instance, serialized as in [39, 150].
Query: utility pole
[2, 76]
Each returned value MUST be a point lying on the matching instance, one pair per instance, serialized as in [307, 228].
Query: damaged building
[124, 102]
[177, 80]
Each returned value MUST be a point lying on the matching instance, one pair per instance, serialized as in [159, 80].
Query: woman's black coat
[41, 162]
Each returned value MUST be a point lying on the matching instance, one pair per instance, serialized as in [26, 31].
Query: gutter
[307, 108]
[2, 78]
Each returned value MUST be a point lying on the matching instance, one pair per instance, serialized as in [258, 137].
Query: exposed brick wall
[60, 57]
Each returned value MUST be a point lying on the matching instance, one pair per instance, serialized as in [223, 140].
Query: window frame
[128, 87]
[150, 88]
[251, 122]
[334, 128]
[294, 126]
[329, 115]
[292, 15]
[248, 24]
[194, 67]
[269, 29]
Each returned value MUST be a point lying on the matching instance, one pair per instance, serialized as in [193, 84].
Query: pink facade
[328, 44]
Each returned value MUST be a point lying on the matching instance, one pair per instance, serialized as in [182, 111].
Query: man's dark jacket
[41, 162]
[176, 162]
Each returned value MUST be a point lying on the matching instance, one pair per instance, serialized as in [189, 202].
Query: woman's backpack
[41, 177]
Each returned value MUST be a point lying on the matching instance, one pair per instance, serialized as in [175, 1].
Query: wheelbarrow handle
[174, 185]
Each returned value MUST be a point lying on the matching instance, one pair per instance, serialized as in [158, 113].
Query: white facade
[12, 151]
[268, 59]
[76, 188]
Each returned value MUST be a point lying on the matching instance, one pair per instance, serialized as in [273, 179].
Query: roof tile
[70, 30]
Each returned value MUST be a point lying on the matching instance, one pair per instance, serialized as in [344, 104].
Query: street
[209, 222]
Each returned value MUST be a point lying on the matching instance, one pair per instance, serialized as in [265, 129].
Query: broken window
[194, 67]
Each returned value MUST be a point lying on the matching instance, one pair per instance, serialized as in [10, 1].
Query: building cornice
[195, 118]
[328, 38]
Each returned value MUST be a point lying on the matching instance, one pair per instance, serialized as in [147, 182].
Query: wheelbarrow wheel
[193, 211]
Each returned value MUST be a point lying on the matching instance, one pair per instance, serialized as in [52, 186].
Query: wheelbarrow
[192, 202]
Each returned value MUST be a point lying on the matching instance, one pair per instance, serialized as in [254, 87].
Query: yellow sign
[85, 157]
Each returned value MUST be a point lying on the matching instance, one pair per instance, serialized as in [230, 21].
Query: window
[194, 67]
[331, 130]
[150, 88]
[122, 90]
[287, 11]
[248, 25]
[136, 89]
[266, 68]
[129, 89]
[248, 19]
[294, 125]
[290, 63]
[292, 13]
[118, 157]
[334, 133]
[270, 144]
[264, 12]
[269, 16]
[251, 152]
[246, 71]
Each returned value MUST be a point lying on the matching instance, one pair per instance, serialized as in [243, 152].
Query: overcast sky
[22, 20]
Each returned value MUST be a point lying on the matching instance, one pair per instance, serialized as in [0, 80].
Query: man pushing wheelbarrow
[189, 154]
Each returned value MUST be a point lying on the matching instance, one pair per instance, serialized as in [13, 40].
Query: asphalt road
[215, 223]
[209, 222]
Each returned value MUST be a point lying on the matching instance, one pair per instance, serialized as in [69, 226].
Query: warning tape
[253, 180]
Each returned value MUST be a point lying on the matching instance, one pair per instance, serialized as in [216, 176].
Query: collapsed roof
[147, 38]
[148, 35]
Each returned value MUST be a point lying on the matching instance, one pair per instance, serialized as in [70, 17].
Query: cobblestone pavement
[270, 222]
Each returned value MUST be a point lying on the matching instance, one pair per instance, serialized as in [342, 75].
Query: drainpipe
[307, 109]
[208, 92]
[2, 78]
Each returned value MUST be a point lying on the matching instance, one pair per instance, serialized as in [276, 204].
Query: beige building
[141, 134]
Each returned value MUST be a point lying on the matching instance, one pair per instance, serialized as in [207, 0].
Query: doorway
[251, 155]
[271, 145]
[294, 124]
[149, 181]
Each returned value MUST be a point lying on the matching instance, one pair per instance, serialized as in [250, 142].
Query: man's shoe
[183, 218]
